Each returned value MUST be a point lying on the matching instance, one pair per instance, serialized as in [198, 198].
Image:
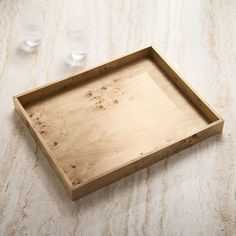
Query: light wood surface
[192, 193]
[112, 120]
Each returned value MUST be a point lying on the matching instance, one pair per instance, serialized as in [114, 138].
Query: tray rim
[215, 126]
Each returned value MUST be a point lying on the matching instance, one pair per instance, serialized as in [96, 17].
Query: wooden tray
[110, 121]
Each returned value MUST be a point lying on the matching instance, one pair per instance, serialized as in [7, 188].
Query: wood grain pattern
[110, 121]
[192, 193]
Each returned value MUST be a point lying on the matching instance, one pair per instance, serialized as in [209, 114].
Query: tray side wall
[43, 146]
[145, 161]
[185, 88]
[59, 85]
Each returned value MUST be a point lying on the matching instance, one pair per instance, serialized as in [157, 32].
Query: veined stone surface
[190, 193]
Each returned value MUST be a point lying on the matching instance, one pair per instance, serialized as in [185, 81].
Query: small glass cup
[31, 20]
[76, 41]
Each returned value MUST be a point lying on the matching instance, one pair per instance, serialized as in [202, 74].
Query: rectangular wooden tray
[112, 120]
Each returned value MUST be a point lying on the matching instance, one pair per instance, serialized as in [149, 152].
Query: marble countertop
[190, 193]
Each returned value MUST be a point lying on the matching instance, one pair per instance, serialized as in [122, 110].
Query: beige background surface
[191, 193]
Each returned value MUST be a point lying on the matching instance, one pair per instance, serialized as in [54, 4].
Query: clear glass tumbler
[76, 41]
[32, 23]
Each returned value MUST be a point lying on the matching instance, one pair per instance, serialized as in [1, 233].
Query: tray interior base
[106, 122]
